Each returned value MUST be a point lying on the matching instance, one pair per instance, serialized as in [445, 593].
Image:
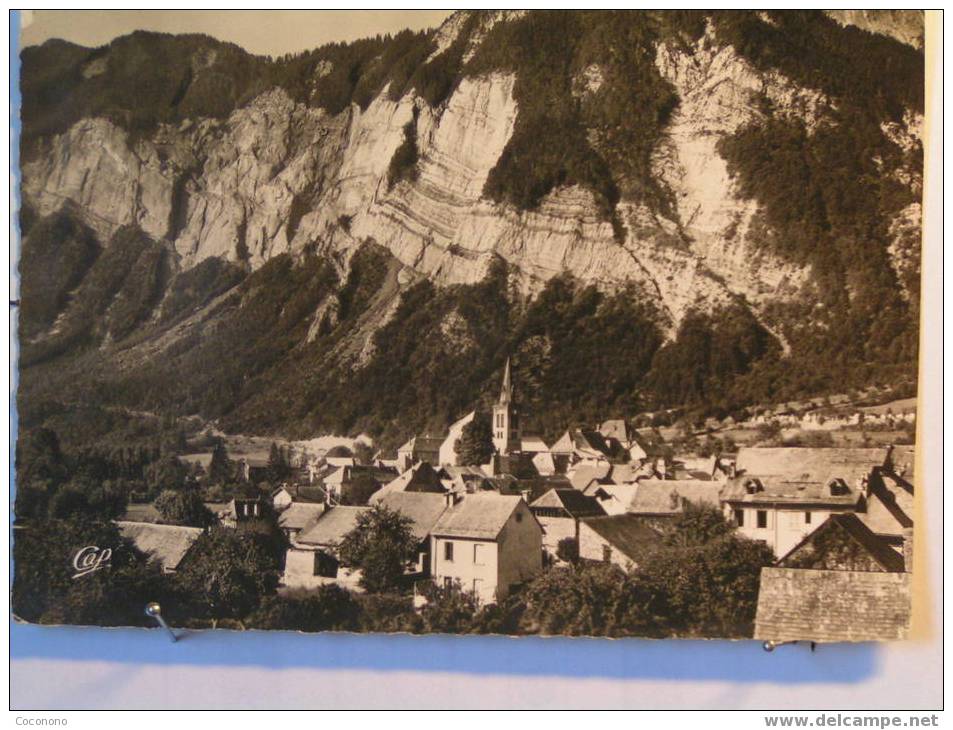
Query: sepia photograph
[524, 323]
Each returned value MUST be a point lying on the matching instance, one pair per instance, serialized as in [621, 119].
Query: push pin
[770, 646]
[153, 610]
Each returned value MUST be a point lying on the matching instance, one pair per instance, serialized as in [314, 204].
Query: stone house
[488, 543]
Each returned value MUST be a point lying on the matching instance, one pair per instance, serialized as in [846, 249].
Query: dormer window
[837, 488]
[753, 486]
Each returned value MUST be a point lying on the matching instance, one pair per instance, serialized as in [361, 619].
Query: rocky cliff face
[233, 188]
[276, 175]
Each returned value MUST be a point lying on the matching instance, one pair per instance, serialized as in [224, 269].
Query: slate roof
[904, 464]
[424, 509]
[779, 491]
[666, 496]
[832, 605]
[299, 515]
[588, 440]
[629, 534]
[168, 544]
[583, 474]
[802, 475]
[888, 509]
[563, 444]
[419, 478]
[809, 465]
[572, 501]
[480, 516]
[851, 526]
[624, 473]
[303, 493]
[614, 498]
[533, 445]
[331, 527]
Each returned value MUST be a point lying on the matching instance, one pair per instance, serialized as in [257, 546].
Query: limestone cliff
[278, 174]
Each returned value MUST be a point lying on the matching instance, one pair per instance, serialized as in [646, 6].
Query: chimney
[908, 549]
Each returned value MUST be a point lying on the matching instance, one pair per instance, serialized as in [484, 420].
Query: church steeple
[506, 422]
[506, 392]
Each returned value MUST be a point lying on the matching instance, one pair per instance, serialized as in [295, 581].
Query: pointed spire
[506, 392]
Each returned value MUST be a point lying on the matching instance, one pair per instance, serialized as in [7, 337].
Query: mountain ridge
[674, 214]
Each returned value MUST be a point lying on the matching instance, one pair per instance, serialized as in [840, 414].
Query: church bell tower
[506, 423]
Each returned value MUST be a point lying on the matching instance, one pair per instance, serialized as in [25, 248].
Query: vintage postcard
[596, 323]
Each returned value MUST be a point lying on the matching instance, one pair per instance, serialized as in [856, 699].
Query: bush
[328, 608]
[403, 165]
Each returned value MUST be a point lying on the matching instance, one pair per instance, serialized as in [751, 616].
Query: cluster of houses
[839, 520]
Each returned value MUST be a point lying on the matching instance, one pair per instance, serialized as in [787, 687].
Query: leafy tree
[449, 610]
[266, 534]
[380, 545]
[46, 591]
[82, 497]
[178, 507]
[701, 589]
[166, 473]
[697, 524]
[475, 445]
[226, 574]
[278, 467]
[363, 453]
[220, 468]
[591, 600]
[567, 550]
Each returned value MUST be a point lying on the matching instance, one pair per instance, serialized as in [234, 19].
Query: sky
[271, 32]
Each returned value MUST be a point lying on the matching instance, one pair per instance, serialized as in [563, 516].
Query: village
[838, 520]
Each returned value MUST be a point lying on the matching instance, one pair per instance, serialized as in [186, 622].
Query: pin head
[153, 609]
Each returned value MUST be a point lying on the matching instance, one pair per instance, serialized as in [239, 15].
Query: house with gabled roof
[559, 512]
[344, 483]
[624, 540]
[843, 542]
[780, 495]
[585, 473]
[668, 497]
[299, 516]
[313, 559]
[615, 499]
[487, 544]
[421, 448]
[423, 510]
[616, 428]
[168, 545]
[420, 477]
